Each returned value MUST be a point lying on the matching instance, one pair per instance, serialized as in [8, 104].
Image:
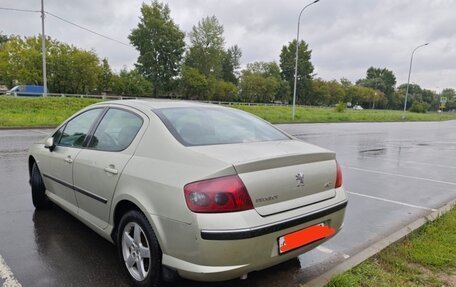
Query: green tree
[383, 80]
[419, 107]
[224, 91]
[105, 77]
[320, 92]
[448, 93]
[3, 38]
[20, 61]
[283, 92]
[161, 45]
[305, 70]
[271, 73]
[207, 47]
[364, 96]
[417, 94]
[131, 83]
[194, 83]
[230, 64]
[255, 88]
[336, 91]
[265, 69]
[70, 70]
[327, 93]
[345, 82]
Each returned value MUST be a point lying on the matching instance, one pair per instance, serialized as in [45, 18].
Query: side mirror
[49, 144]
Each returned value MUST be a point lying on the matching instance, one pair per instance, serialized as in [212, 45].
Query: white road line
[400, 175]
[7, 275]
[326, 250]
[408, 161]
[391, 201]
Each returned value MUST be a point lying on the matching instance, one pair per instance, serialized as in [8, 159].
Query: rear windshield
[195, 126]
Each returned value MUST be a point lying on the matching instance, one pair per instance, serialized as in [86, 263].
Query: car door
[57, 165]
[98, 167]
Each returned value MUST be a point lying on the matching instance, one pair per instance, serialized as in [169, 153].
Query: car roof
[152, 104]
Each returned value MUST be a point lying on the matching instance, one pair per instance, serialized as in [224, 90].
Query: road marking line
[330, 251]
[400, 175]
[7, 275]
[408, 161]
[391, 201]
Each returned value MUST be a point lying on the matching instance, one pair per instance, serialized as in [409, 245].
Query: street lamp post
[408, 80]
[43, 49]
[296, 59]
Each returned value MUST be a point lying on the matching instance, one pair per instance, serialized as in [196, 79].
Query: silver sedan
[205, 192]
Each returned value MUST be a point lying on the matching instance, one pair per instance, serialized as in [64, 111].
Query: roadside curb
[378, 246]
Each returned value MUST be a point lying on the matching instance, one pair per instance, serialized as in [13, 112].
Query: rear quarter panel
[155, 176]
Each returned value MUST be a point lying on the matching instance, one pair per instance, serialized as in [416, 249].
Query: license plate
[304, 236]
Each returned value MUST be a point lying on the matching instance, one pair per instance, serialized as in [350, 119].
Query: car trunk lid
[280, 175]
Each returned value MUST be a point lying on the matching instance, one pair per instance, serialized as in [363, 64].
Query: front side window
[76, 129]
[195, 126]
[116, 130]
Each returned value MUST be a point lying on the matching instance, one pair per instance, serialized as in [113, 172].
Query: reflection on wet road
[394, 172]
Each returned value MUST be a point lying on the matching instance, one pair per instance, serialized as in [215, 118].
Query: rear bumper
[225, 247]
[270, 228]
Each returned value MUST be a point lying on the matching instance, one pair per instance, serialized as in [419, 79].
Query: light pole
[408, 80]
[43, 49]
[296, 59]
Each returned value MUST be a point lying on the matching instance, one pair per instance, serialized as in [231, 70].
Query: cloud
[346, 36]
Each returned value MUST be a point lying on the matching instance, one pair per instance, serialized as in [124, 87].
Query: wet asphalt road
[394, 173]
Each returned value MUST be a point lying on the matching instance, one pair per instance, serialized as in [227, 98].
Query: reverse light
[339, 176]
[222, 194]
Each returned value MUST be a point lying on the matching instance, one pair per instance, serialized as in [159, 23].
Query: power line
[19, 10]
[68, 22]
[88, 30]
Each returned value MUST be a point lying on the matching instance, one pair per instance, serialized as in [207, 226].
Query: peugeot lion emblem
[300, 179]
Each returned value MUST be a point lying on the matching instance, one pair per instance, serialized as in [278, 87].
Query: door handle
[68, 159]
[111, 170]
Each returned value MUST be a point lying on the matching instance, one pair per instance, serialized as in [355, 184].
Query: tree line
[203, 69]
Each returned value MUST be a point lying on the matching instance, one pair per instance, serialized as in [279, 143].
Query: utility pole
[43, 49]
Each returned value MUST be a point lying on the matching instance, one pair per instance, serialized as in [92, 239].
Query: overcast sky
[346, 36]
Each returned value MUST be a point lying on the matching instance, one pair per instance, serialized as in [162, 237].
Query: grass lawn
[282, 114]
[38, 112]
[427, 257]
[35, 112]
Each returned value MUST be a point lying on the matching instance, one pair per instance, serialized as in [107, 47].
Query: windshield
[194, 126]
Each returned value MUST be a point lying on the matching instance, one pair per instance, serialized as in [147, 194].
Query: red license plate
[304, 236]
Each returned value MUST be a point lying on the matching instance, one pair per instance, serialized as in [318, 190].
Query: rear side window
[116, 130]
[195, 126]
[77, 128]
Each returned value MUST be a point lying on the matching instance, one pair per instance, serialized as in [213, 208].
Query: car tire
[39, 198]
[138, 249]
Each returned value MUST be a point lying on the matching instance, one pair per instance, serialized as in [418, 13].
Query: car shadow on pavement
[69, 251]
[282, 275]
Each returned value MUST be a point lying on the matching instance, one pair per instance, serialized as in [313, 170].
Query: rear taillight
[339, 176]
[223, 194]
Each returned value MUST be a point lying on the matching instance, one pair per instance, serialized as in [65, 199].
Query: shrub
[340, 107]
[419, 107]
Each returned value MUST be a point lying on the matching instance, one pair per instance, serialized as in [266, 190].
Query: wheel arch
[31, 161]
[125, 205]
[120, 209]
